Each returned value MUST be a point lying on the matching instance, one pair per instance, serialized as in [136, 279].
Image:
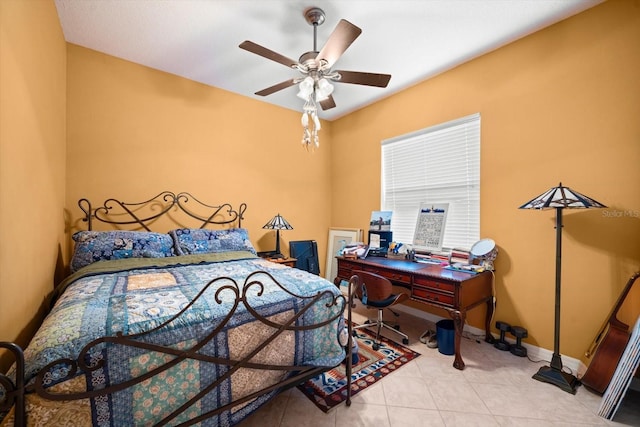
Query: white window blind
[439, 164]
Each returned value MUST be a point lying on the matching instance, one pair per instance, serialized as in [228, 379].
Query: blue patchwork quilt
[139, 297]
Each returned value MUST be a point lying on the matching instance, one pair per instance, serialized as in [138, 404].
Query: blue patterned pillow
[199, 241]
[92, 246]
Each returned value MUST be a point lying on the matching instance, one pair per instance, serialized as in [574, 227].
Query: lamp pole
[553, 373]
[278, 254]
[556, 361]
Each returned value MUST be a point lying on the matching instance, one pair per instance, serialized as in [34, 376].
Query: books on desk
[430, 261]
[459, 256]
[466, 268]
[438, 258]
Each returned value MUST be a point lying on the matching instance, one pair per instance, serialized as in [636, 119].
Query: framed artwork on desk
[429, 232]
[338, 238]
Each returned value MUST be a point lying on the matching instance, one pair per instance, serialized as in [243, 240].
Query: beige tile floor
[495, 389]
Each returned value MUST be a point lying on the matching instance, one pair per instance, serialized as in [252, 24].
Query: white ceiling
[410, 39]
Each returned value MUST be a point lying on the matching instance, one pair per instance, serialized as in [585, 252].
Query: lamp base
[565, 381]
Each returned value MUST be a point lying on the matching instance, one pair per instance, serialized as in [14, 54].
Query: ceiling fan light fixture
[324, 89]
[315, 85]
[310, 136]
[307, 84]
[306, 88]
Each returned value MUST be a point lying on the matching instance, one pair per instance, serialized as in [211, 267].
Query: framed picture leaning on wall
[338, 239]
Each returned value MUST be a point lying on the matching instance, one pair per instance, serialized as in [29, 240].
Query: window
[439, 164]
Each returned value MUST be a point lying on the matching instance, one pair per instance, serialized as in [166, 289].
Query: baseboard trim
[535, 353]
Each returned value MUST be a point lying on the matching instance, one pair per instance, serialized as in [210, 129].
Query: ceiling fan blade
[267, 53]
[328, 103]
[367, 79]
[343, 35]
[275, 88]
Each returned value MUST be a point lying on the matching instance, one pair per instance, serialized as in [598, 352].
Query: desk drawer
[423, 282]
[344, 270]
[430, 296]
[395, 276]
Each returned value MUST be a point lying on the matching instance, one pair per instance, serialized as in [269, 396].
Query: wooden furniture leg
[487, 322]
[458, 322]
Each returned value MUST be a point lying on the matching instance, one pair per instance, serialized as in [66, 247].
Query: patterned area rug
[329, 389]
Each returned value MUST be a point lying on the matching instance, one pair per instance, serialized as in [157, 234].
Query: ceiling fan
[315, 65]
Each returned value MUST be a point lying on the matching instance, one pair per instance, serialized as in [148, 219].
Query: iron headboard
[158, 206]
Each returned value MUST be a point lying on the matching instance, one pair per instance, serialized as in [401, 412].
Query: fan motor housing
[308, 59]
[314, 16]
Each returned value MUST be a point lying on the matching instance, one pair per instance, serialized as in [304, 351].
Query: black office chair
[375, 291]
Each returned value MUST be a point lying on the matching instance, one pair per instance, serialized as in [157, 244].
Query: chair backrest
[378, 287]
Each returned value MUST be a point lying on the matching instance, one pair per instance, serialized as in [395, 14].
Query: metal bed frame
[133, 213]
[143, 213]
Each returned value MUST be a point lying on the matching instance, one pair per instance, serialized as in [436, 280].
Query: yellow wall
[559, 105]
[32, 162]
[134, 132]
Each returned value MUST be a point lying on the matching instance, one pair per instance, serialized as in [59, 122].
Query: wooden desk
[454, 291]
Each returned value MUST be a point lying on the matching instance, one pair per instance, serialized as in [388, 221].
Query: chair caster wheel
[375, 346]
[405, 341]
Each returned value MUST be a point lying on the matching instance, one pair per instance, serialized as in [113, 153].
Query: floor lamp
[559, 198]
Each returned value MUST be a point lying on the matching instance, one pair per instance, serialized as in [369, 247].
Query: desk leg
[458, 322]
[487, 323]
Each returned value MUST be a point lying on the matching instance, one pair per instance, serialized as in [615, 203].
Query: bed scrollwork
[116, 212]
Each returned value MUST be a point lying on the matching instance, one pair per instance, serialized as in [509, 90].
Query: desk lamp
[278, 223]
[560, 198]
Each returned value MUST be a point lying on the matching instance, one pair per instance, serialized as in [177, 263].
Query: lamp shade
[278, 223]
[562, 197]
[306, 88]
[324, 90]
